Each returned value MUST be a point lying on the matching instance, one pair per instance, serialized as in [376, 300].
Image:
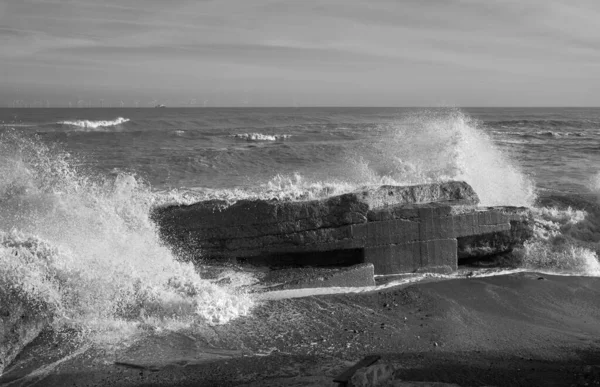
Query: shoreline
[517, 329]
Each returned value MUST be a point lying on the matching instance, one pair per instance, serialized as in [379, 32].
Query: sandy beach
[524, 329]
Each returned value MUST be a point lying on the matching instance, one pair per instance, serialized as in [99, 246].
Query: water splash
[444, 145]
[293, 187]
[565, 241]
[426, 147]
[85, 247]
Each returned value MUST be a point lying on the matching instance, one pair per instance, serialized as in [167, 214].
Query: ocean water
[77, 187]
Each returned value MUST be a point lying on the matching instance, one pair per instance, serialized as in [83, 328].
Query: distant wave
[261, 137]
[95, 124]
[544, 124]
[550, 133]
[499, 132]
[542, 133]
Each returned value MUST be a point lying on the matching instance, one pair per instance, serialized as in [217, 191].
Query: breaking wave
[559, 134]
[262, 137]
[565, 241]
[426, 147]
[86, 124]
[448, 145]
[83, 247]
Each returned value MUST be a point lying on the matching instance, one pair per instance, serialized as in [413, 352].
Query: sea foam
[565, 241]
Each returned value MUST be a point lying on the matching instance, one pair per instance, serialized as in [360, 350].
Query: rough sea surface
[77, 187]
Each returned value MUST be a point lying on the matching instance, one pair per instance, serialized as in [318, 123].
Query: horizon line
[304, 107]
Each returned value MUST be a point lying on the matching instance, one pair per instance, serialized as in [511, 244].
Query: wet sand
[523, 329]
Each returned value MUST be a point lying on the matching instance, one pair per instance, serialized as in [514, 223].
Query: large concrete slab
[397, 229]
[251, 218]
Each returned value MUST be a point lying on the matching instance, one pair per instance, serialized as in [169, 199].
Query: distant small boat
[160, 106]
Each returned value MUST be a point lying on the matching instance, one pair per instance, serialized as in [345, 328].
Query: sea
[77, 187]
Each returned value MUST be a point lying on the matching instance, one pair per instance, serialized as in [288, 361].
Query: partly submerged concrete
[397, 229]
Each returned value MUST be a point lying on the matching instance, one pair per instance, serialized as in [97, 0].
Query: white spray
[86, 248]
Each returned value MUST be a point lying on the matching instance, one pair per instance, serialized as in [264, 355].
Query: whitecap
[262, 137]
[87, 124]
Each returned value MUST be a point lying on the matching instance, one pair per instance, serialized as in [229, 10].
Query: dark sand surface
[524, 329]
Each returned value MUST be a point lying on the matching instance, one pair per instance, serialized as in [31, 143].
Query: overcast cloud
[308, 53]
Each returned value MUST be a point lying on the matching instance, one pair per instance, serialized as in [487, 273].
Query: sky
[300, 52]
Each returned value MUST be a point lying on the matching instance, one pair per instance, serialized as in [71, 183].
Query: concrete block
[480, 218]
[439, 252]
[402, 230]
[490, 217]
[410, 211]
[426, 212]
[391, 232]
[377, 234]
[394, 259]
[385, 195]
[399, 229]
[426, 227]
[463, 225]
[446, 227]
[359, 232]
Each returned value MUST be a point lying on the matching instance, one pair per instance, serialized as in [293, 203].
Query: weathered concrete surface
[21, 321]
[213, 228]
[431, 237]
[397, 229]
[214, 217]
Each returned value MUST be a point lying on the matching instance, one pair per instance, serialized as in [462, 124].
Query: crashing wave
[87, 124]
[435, 146]
[426, 147]
[565, 241]
[86, 248]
